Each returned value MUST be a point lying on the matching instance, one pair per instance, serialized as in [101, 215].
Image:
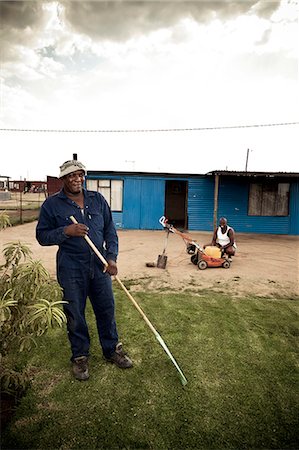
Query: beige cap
[71, 166]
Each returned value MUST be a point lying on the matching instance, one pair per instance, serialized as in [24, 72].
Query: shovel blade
[162, 260]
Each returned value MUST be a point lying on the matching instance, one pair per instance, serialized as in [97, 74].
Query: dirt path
[264, 265]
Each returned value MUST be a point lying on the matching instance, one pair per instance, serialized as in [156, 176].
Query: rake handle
[150, 325]
[104, 261]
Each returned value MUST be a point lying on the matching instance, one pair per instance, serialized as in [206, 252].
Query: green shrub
[30, 304]
[4, 220]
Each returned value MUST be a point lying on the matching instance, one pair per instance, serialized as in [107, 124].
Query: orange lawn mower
[210, 256]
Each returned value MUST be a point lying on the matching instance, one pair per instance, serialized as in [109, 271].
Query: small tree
[30, 304]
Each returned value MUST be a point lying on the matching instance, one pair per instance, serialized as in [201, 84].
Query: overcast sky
[148, 65]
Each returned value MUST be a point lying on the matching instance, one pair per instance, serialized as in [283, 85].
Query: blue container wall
[233, 204]
[294, 208]
[200, 203]
[152, 204]
[144, 201]
[144, 204]
[131, 203]
[118, 219]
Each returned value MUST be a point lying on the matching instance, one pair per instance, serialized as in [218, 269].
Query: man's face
[73, 181]
[222, 223]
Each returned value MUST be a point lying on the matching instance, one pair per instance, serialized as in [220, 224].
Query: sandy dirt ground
[265, 265]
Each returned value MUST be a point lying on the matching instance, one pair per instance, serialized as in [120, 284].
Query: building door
[143, 203]
[152, 204]
[176, 203]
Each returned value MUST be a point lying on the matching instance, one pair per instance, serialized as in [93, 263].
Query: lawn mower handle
[163, 221]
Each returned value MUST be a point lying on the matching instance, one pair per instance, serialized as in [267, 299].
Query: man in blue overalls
[79, 272]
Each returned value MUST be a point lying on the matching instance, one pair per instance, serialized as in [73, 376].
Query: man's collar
[85, 193]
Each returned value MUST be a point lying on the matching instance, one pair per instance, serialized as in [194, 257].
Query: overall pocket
[95, 220]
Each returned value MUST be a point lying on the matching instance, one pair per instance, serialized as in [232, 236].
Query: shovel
[162, 259]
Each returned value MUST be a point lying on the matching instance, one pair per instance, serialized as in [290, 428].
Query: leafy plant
[4, 220]
[14, 252]
[30, 305]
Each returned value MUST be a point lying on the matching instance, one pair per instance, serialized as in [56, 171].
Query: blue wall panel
[294, 208]
[233, 204]
[131, 203]
[118, 219]
[152, 203]
[143, 203]
[200, 203]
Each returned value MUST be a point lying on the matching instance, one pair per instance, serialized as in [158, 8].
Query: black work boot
[120, 358]
[80, 368]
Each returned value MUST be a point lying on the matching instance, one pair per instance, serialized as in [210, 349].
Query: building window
[112, 190]
[269, 199]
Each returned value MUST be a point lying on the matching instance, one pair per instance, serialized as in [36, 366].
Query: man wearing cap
[80, 273]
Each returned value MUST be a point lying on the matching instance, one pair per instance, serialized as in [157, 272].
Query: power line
[154, 130]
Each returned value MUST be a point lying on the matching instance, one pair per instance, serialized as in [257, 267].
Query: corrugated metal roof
[143, 174]
[192, 175]
[253, 174]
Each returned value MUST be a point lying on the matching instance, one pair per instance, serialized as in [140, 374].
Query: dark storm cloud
[117, 20]
[20, 14]
[20, 20]
[122, 19]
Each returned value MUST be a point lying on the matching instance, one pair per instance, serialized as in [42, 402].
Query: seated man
[224, 238]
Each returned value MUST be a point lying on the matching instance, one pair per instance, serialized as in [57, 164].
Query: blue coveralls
[79, 271]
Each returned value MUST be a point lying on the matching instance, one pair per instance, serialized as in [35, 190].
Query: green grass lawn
[238, 354]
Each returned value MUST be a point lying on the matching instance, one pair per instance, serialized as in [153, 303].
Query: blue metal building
[255, 202]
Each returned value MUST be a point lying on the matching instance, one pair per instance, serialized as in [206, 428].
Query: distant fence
[22, 207]
[4, 195]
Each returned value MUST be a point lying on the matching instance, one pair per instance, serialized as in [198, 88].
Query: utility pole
[21, 206]
[216, 192]
[247, 160]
